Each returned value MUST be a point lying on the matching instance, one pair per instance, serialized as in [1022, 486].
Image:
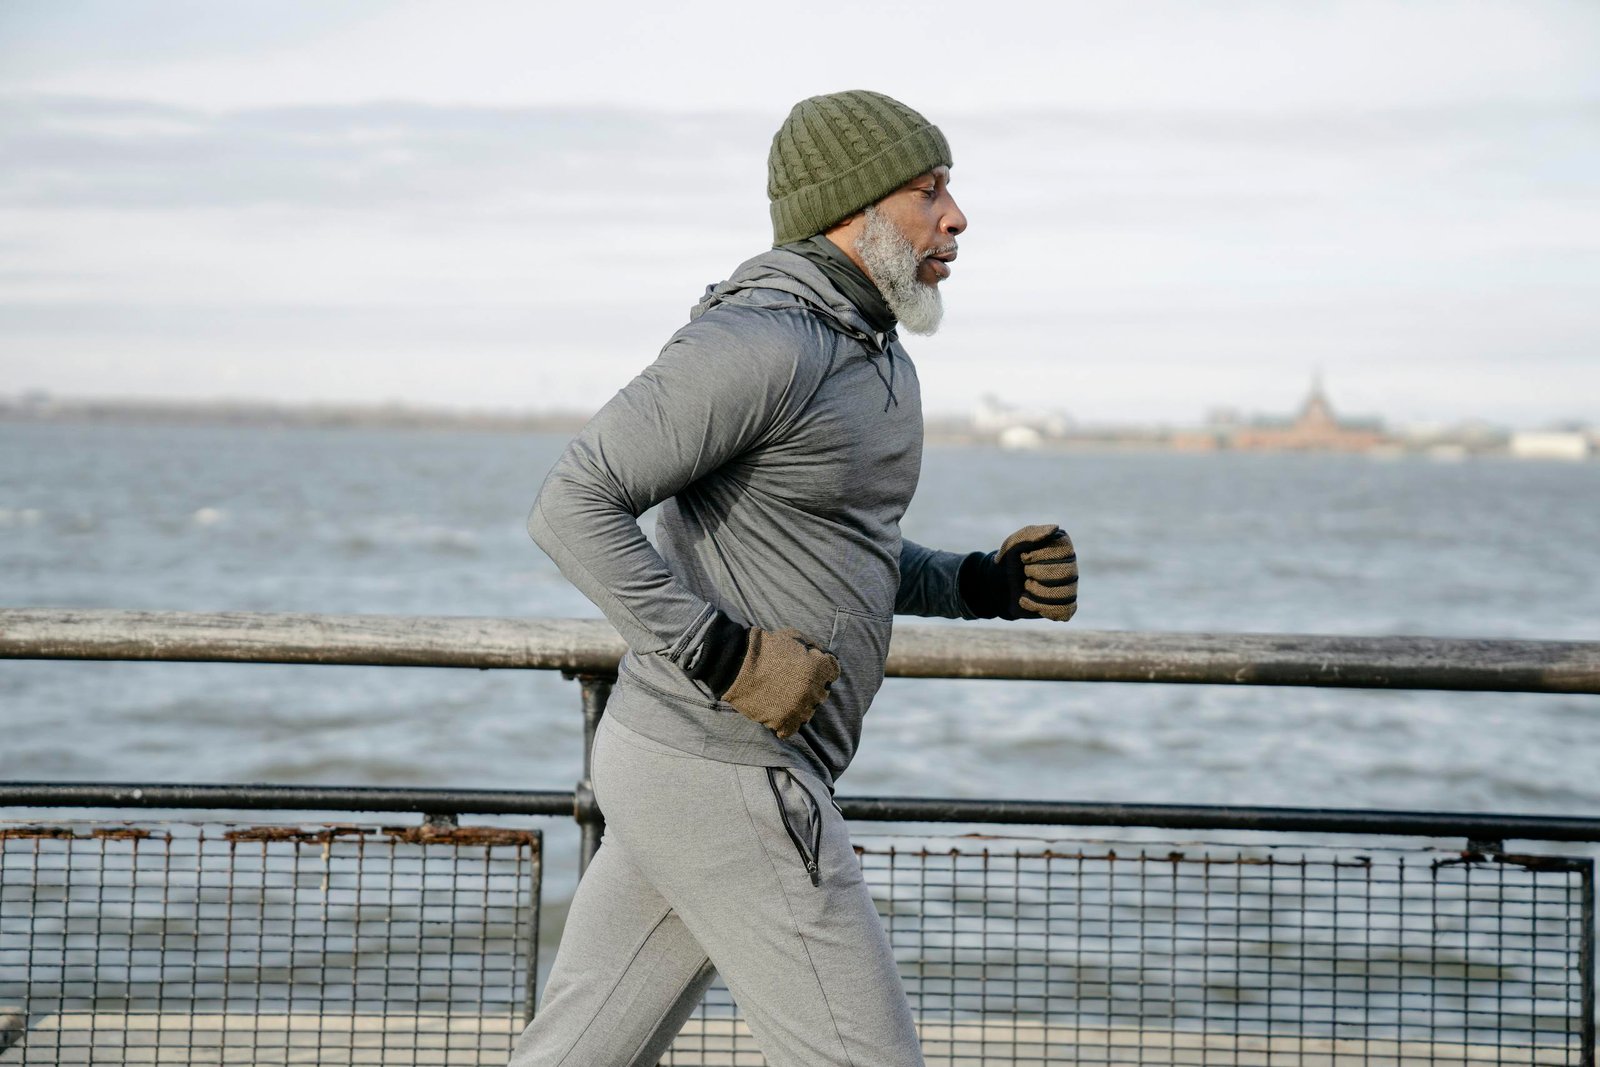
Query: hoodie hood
[782, 279]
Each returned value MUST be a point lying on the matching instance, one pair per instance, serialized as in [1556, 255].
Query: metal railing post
[1586, 968]
[592, 824]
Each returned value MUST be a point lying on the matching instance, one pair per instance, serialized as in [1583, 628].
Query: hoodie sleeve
[708, 397]
[929, 583]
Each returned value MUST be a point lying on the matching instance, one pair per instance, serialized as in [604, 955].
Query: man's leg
[809, 965]
[626, 977]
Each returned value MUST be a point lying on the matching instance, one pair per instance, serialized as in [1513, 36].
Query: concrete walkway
[346, 1041]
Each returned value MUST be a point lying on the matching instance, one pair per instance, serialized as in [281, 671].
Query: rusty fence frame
[588, 651]
[716, 1035]
[212, 939]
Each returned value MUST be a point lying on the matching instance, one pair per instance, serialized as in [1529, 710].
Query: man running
[781, 431]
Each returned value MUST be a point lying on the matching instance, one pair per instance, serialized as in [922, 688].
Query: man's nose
[954, 222]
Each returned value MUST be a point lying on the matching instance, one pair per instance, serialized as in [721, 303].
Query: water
[249, 519]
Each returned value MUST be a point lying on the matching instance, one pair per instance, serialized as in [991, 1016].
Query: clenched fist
[1034, 575]
[782, 680]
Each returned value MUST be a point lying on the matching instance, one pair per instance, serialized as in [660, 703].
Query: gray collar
[848, 278]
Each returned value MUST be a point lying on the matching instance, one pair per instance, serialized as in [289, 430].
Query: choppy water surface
[211, 519]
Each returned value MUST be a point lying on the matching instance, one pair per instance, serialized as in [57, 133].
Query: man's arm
[707, 398]
[930, 583]
[1033, 575]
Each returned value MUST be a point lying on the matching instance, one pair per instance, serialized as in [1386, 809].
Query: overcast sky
[1173, 206]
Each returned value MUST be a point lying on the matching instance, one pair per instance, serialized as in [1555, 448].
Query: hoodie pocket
[860, 642]
[801, 818]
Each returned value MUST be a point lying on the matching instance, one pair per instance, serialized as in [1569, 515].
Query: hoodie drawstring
[888, 383]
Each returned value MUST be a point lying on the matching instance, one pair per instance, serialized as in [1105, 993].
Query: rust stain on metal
[327, 834]
[319, 835]
[1537, 863]
[1530, 863]
[73, 833]
[27, 833]
[124, 833]
[1357, 862]
[463, 836]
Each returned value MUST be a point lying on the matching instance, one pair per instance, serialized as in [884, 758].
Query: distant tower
[1315, 428]
[1316, 413]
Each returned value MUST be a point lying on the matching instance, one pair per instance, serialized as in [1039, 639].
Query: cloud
[67, 151]
[302, 247]
[947, 56]
[113, 153]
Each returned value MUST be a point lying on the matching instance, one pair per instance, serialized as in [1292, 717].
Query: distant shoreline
[397, 416]
[940, 429]
[284, 416]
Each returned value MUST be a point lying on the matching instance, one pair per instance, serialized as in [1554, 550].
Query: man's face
[927, 217]
[905, 244]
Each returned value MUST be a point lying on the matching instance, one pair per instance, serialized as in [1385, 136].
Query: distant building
[1314, 429]
[1016, 438]
[1550, 445]
[1211, 440]
[994, 416]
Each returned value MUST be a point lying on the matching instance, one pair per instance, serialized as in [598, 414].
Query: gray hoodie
[783, 438]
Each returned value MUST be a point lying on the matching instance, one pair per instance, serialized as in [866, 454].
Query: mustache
[942, 250]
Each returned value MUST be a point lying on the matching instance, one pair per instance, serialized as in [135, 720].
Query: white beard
[892, 263]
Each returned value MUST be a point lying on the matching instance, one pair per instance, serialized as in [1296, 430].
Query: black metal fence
[193, 940]
[187, 942]
[1036, 952]
[217, 938]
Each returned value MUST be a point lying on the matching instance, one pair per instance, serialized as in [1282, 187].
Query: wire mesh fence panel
[1019, 952]
[211, 943]
[208, 943]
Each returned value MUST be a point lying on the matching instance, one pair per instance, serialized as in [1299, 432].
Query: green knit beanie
[836, 154]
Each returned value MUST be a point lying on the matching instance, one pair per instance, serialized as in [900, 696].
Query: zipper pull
[811, 869]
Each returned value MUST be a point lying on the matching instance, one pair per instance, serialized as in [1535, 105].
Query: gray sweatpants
[698, 874]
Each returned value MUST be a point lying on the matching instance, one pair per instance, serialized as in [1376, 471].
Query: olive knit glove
[1033, 576]
[775, 677]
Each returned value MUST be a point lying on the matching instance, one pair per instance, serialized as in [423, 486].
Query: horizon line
[40, 401]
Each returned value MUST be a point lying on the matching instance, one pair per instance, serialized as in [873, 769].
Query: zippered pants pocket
[805, 831]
